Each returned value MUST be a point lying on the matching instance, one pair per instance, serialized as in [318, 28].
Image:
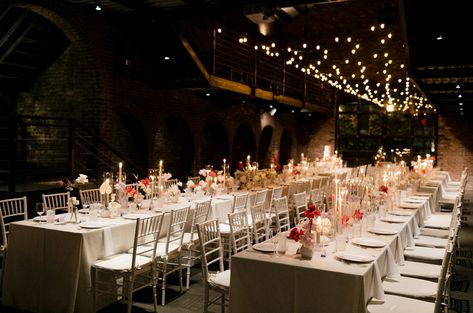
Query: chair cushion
[425, 253]
[428, 241]
[441, 221]
[420, 270]
[121, 262]
[433, 232]
[221, 279]
[411, 287]
[397, 304]
[224, 228]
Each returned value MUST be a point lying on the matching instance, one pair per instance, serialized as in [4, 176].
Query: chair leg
[130, 282]
[222, 304]
[180, 273]
[206, 298]
[154, 281]
[163, 285]
[188, 274]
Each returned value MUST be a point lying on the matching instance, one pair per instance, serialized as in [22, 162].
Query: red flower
[358, 215]
[295, 234]
[345, 219]
[383, 188]
[240, 165]
[295, 172]
[130, 191]
[145, 181]
[311, 211]
[278, 167]
[212, 174]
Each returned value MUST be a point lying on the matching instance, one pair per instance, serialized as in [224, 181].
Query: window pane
[347, 125]
[398, 124]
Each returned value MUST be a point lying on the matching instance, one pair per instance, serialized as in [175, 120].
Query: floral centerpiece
[303, 231]
[144, 185]
[82, 179]
[173, 193]
[72, 205]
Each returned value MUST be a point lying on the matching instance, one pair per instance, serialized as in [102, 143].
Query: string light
[401, 98]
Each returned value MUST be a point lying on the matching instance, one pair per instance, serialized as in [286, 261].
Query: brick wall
[455, 145]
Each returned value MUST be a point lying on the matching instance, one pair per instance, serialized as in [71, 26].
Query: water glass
[341, 241]
[281, 245]
[356, 230]
[50, 216]
[370, 219]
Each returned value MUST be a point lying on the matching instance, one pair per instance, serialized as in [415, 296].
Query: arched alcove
[264, 146]
[174, 144]
[214, 145]
[244, 144]
[130, 139]
[285, 147]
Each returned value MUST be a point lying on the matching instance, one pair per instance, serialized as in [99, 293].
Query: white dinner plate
[382, 231]
[40, 219]
[368, 242]
[354, 257]
[94, 224]
[400, 213]
[134, 216]
[393, 219]
[264, 247]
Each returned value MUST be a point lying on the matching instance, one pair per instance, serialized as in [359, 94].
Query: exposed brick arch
[244, 144]
[264, 147]
[92, 71]
[214, 144]
[174, 144]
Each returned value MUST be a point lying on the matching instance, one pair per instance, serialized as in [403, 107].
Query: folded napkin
[105, 188]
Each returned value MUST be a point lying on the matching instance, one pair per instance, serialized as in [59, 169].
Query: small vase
[306, 253]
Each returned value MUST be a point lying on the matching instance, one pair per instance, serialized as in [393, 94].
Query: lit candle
[302, 157]
[160, 168]
[120, 168]
[318, 229]
[224, 171]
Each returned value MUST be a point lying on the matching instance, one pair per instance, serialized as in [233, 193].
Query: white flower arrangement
[82, 179]
[167, 176]
[120, 186]
[203, 172]
[73, 202]
[173, 193]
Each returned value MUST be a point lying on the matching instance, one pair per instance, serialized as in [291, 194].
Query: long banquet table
[47, 269]
[263, 282]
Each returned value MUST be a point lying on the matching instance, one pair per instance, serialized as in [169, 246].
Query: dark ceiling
[442, 69]
[440, 36]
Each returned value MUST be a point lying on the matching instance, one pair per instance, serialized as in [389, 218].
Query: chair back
[260, 196]
[169, 183]
[316, 183]
[11, 210]
[194, 179]
[176, 226]
[239, 202]
[211, 247]
[200, 215]
[292, 189]
[89, 196]
[300, 205]
[316, 195]
[240, 235]
[283, 222]
[277, 192]
[259, 221]
[146, 237]
[56, 201]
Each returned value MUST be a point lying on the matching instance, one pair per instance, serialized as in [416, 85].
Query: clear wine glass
[39, 210]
